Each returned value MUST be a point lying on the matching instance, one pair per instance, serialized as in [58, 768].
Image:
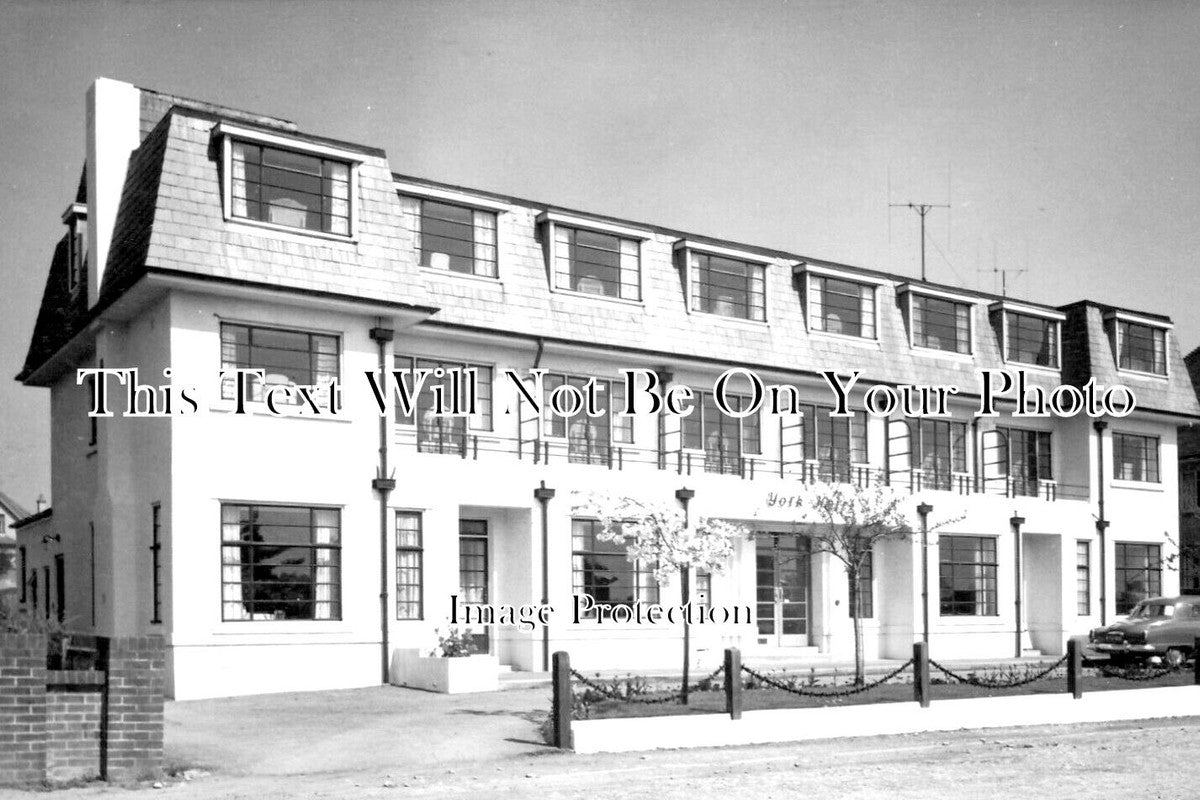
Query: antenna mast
[922, 209]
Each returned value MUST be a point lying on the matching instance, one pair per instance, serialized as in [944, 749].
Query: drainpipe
[1016, 523]
[384, 484]
[544, 495]
[923, 512]
[684, 496]
[1101, 522]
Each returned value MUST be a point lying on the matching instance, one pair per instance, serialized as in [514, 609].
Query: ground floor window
[866, 582]
[1083, 578]
[280, 562]
[967, 575]
[410, 564]
[602, 570]
[1138, 574]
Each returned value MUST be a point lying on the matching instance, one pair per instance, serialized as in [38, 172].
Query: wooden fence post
[1196, 660]
[921, 673]
[1074, 668]
[561, 706]
[733, 682]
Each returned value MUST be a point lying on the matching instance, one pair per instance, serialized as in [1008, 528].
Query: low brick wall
[66, 725]
[74, 702]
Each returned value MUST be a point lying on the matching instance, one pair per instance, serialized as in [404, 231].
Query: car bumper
[1126, 649]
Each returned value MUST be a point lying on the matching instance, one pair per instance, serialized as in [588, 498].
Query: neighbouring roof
[12, 507]
[45, 513]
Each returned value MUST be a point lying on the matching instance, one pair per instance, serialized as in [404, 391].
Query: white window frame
[688, 246]
[811, 271]
[419, 192]
[1114, 318]
[908, 290]
[76, 258]
[1005, 307]
[549, 219]
[228, 133]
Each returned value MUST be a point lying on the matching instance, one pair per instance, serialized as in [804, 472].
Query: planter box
[446, 675]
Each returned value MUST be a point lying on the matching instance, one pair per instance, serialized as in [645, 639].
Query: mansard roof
[171, 221]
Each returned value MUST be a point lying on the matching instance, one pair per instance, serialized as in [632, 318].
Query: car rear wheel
[1174, 657]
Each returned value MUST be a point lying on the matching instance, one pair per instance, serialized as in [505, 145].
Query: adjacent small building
[298, 551]
[10, 513]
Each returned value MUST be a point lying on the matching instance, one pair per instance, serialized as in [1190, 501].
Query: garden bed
[712, 701]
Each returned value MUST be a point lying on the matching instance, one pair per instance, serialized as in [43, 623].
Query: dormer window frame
[814, 272]
[463, 200]
[549, 221]
[229, 133]
[76, 249]
[685, 248]
[1007, 307]
[908, 290]
[1113, 320]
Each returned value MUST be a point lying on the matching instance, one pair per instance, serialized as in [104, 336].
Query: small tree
[662, 535]
[848, 521]
[1185, 559]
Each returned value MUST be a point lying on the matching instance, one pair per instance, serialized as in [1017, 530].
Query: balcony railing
[582, 449]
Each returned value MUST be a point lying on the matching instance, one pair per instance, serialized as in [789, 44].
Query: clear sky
[1065, 136]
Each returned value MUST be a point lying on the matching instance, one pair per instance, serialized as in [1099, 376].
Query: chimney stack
[113, 133]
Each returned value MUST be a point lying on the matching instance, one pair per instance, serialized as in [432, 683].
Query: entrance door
[782, 567]
[473, 571]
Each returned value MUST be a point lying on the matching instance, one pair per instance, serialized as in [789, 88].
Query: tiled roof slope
[58, 318]
[521, 302]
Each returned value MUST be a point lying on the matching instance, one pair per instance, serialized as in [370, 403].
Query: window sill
[1138, 486]
[1039, 367]
[302, 235]
[607, 298]
[934, 352]
[861, 341]
[448, 273]
[760, 324]
[259, 409]
[1137, 373]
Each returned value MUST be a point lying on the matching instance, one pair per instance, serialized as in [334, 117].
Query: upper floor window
[836, 443]
[597, 263]
[1031, 339]
[940, 324]
[1029, 459]
[589, 439]
[438, 433]
[1141, 348]
[941, 447]
[287, 357]
[727, 287]
[841, 306]
[724, 439]
[1135, 458]
[453, 237]
[289, 188]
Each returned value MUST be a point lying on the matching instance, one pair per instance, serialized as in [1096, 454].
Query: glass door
[782, 565]
[473, 572]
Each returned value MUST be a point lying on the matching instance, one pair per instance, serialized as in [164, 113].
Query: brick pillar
[22, 709]
[132, 736]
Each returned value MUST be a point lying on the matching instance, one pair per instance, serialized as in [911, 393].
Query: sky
[1063, 136]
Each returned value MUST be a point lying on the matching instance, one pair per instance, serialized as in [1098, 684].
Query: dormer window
[722, 281]
[593, 257]
[1140, 343]
[75, 218]
[453, 237]
[938, 321]
[1030, 335]
[279, 182]
[841, 305]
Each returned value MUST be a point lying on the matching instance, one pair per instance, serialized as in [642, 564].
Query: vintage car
[1163, 628]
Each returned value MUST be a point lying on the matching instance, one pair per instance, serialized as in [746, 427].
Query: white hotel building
[271, 556]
